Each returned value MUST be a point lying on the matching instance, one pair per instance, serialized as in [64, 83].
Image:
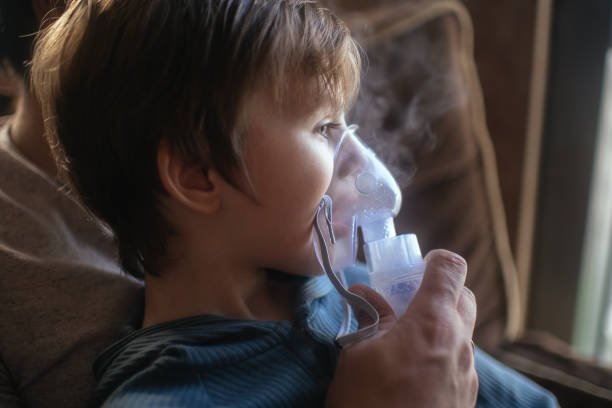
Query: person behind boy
[63, 296]
[199, 131]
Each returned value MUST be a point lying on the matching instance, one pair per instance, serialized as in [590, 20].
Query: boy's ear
[189, 184]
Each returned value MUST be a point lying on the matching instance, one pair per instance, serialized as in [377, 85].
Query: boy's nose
[351, 158]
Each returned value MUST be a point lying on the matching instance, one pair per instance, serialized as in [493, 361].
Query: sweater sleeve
[8, 395]
[500, 386]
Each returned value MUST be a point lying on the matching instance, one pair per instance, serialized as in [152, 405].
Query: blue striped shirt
[210, 361]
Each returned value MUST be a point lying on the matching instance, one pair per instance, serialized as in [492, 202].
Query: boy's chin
[308, 267]
[314, 269]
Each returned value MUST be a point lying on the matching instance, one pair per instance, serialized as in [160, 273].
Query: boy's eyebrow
[330, 111]
[321, 113]
[323, 106]
[310, 100]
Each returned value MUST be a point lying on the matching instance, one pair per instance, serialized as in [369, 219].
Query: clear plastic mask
[364, 195]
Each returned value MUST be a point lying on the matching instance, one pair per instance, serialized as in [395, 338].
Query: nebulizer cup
[363, 195]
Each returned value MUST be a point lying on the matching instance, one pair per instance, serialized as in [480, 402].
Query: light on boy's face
[289, 161]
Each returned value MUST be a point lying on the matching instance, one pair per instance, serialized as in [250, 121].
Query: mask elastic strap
[350, 129]
[355, 301]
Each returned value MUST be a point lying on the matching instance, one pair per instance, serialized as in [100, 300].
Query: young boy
[202, 133]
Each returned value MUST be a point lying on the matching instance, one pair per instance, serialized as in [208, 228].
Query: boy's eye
[323, 130]
[326, 129]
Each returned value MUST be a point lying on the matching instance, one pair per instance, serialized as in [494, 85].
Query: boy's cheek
[312, 184]
[325, 171]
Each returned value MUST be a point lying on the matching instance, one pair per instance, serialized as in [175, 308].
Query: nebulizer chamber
[396, 269]
[366, 197]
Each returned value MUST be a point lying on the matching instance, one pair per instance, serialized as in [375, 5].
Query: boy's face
[289, 158]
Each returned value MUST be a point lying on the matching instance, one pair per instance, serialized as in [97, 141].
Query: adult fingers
[385, 313]
[442, 282]
[474, 387]
[467, 310]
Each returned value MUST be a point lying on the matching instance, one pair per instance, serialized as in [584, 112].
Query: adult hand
[424, 358]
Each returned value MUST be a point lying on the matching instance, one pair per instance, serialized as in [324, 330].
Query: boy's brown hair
[117, 77]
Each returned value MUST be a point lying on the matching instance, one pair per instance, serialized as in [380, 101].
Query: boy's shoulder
[217, 361]
[164, 362]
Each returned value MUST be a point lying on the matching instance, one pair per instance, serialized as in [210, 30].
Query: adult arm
[424, 358]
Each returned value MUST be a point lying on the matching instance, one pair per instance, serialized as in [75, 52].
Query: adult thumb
[385, 313]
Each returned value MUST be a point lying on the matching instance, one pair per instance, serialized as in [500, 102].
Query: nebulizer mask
[363, 195]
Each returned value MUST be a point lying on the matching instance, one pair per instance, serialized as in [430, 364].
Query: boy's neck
[27, 133]
[240, 294]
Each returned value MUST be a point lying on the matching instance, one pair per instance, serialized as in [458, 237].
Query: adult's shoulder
[56, 318]
[64, 297]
